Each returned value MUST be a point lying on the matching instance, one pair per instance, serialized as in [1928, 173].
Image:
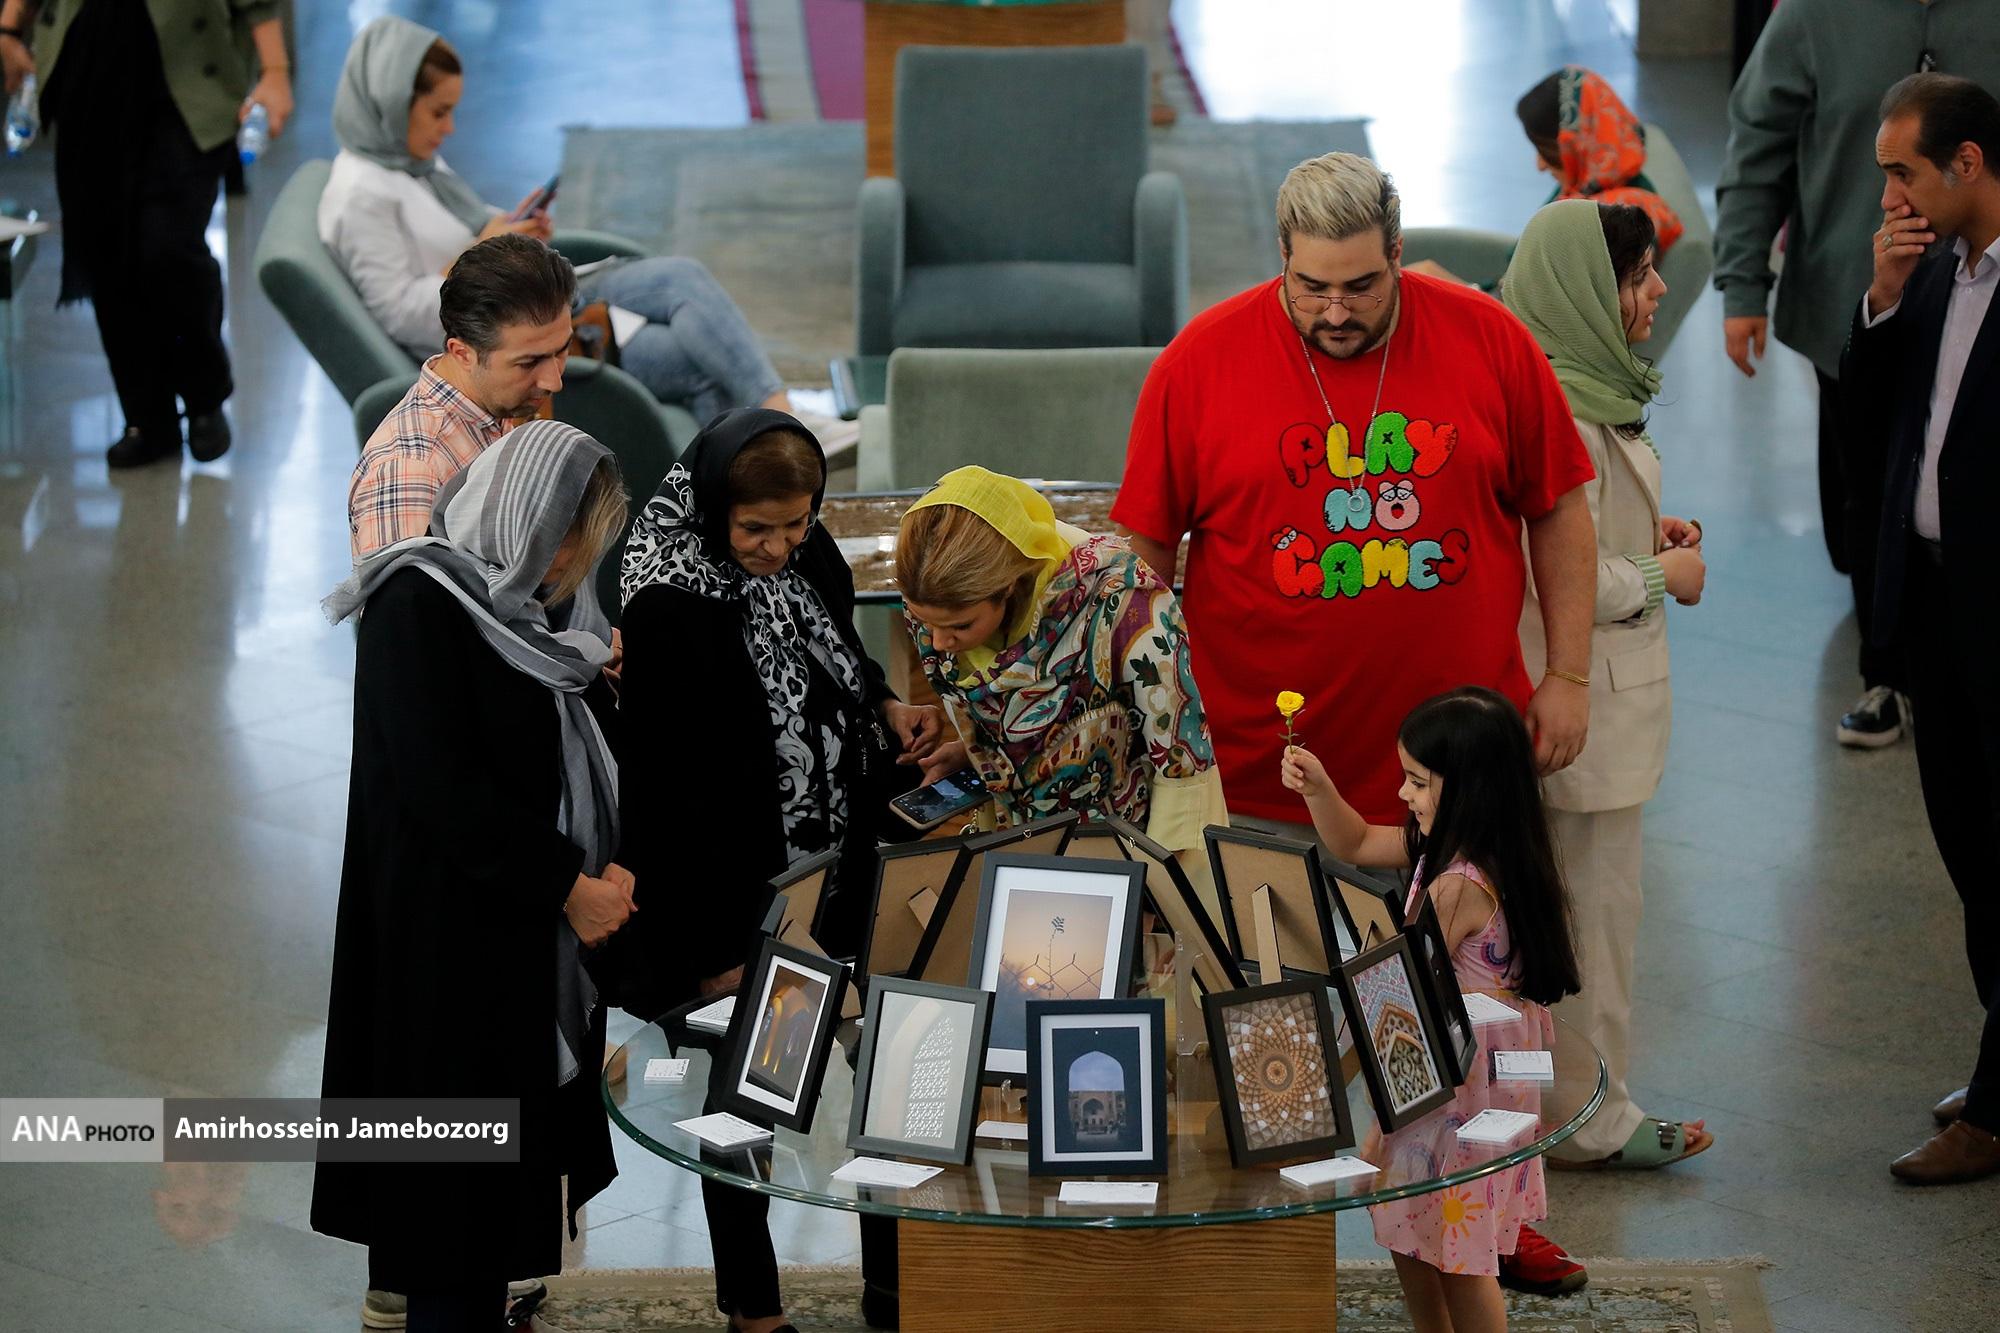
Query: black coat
[1886, 375]
[701, 826]
[444, 979]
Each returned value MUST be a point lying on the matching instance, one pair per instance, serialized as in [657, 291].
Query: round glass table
[989, 1246]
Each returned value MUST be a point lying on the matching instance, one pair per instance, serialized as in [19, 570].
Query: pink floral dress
[1466, 1228]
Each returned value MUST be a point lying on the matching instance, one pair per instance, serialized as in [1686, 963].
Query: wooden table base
[1250, 1277]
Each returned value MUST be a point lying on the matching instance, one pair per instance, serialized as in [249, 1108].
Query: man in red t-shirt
[1354, 450]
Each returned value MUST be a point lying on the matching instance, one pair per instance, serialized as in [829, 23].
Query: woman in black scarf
[758, 733]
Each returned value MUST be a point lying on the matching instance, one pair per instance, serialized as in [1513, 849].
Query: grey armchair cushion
[1021, 197]
[1057, 413]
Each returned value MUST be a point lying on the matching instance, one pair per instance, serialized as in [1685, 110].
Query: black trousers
[1850, 506]
[1950, 639]
[474, 1307]
[159, 302]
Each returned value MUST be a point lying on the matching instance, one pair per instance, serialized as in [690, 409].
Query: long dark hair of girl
[1490, 813]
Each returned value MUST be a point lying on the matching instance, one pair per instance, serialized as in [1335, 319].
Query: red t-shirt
[1367, 567]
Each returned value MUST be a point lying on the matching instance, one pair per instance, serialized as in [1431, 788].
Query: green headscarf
[1561, 285]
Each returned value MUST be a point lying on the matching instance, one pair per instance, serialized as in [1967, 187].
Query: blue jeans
[696, 350]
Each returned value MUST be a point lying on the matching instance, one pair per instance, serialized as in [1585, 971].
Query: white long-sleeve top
[393, 238]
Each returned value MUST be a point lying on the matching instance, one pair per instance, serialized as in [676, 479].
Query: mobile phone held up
[541, 198]
[927, 807]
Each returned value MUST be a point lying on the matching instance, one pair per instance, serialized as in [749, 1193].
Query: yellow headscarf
[1021, 514]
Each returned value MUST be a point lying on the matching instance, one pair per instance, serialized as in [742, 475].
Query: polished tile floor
[174, 718]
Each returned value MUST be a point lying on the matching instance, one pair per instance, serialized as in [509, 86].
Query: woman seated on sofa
[396, 217]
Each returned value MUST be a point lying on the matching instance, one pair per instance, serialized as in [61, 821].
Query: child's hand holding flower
[1303, 773]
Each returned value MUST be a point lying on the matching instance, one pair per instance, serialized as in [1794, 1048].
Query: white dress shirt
[393, 238]
[1965, 311]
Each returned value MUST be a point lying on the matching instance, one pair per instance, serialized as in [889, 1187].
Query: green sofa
[1021, 213]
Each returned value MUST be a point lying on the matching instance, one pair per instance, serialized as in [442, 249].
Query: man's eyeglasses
[1316, 303]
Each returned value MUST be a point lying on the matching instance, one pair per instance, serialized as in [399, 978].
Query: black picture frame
[803, 887]
[1179, 904]
[1441, 989]
[1366, 903]
[1257, 1031]
[1131, 1140]
[905, 871]
[894, 1004]
[945, 956]
[780, 1091]
[1383, 982]
[1003, 876]
[1243, 861]
[1096, 840]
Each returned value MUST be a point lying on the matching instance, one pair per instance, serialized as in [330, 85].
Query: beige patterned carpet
[1624, 1296]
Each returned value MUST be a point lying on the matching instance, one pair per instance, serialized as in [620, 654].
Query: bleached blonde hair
[1338, 195]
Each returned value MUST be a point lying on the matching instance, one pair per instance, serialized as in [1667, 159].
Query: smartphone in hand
[540, 199]
[927, 807]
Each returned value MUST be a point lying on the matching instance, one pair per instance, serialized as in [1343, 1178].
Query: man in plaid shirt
[505, 308]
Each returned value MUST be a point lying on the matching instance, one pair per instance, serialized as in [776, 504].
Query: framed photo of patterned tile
[1403, 1055]
[1050, 928]
[916, 1087]
[1276, 1050]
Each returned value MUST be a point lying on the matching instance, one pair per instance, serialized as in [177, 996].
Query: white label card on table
[1110, 1191]
[662, 1070]
[1327, 1170]
[723, 1130]
[1482, 1008]
[1496, 1126]
[714, 1017]
[1535, 1066]
[1002, 1129]
[880, 1171]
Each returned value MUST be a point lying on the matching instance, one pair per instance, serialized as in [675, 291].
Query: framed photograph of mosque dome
[1276, 1050]
[1403, 1055]
[1097, 1088]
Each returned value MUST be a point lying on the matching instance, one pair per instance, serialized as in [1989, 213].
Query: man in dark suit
[1922, 374]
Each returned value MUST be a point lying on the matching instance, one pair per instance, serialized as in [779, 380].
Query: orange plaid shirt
[420, 445]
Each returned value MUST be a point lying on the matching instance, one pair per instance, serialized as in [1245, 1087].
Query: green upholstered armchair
[1021, 213]
[1062, 414]
[1481, 256]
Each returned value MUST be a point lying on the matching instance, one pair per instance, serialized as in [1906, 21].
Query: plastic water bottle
[255, 135]
[24, 118]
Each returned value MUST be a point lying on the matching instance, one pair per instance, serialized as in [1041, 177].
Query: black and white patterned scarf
[787, 630]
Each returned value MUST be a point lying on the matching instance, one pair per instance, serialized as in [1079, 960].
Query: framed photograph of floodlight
[1425, 933]
[945, 954]
[779, 1036]
[1097, 1101]
[1285, 873]
[1403, 1055]
[1050, 928]
[912, 880]
[916, 1088]
[1178, 903]
[1277, 1071]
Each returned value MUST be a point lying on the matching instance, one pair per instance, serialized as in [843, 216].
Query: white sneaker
[385, 1309]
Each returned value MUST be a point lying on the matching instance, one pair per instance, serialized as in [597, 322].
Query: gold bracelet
[1569, 676]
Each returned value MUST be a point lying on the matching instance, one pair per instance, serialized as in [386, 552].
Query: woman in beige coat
[1583, 282]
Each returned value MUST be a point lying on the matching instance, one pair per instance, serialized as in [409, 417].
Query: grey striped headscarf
[496, 528]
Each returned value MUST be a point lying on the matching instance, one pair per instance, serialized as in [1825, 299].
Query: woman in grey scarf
[482, 817]
[397, 218]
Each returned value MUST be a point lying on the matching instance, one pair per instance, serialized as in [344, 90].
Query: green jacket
[1801, 150]
[204, 45]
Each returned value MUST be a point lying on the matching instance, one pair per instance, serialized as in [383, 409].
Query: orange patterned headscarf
[1603, 152]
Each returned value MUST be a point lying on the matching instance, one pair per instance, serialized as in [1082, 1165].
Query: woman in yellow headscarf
[1061, 656]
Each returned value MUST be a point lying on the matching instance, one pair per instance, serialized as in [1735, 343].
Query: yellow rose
[1289, 703]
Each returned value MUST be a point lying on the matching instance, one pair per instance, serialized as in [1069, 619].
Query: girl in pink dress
[1479, 839]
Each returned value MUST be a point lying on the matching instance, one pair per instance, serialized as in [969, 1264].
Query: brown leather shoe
[1955, 1154]
[1951, 1108]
